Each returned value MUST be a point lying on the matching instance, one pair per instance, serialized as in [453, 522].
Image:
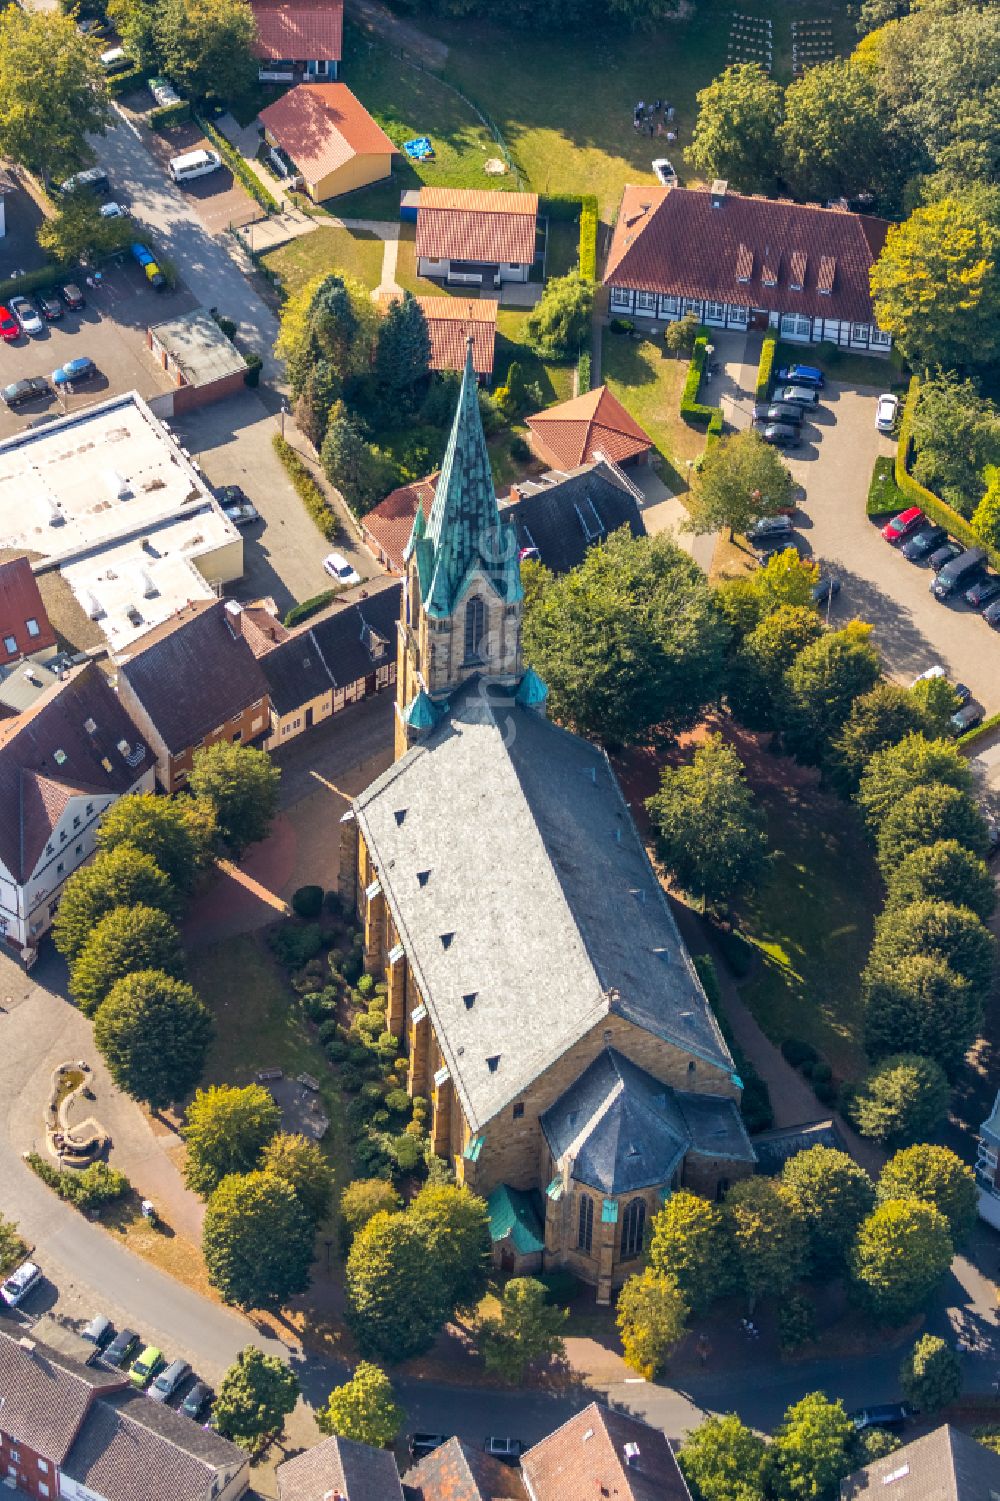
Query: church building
[536, 977]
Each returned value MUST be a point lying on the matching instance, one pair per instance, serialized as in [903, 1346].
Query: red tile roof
[457, 1472]
[466, 224]
[390, 523]
[595, 422]
[587, 1457]
[299, 30]
[753, 252]
[322, 126]
[20, 602]
[450, 320]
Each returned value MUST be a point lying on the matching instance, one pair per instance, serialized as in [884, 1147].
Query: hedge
[170, 114]
[986, 728]
[567, 206]
[583, 371]
[32, 281]
[123, 83]
[238, 167]
[884, 496]
[916, 494]
[309, 492]
[765, 369]
[312, 606]
[693, 410]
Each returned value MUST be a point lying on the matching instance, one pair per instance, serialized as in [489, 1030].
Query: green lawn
[648, 382]
[357, 253]
[811, 919]
[562, 249]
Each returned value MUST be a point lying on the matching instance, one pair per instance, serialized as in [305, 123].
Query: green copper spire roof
[464, 533]
[531, 691]
[421, 712]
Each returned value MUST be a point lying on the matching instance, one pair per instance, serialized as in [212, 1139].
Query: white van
[194, 164]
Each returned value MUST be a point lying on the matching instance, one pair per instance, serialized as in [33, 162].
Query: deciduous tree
[363, 1409]
[395, 1304]
[126, 939]
[943, 872]
[769, 1236]
[912, 762]
[833, 137]
[241, 785]
[785, 579]
[680, 335]
[356, 467]
[955, 435]
[154, 1034]
[226, 1130]
[901, 1099]
[690, 1244]
[366, 1197]
[207, 46]
[120, 877]
[925, 816]
[986, 516]
[175, 832]
[935, 1176]
[834, 1194]
[822, 685]
[651, 1318]
[558, 326]
[77, 231]
[257, 1240]
[930, 1377]
[755, 684]
[12, 1248]
[52, 93]
[529, 1328]
[812, 1450]
[883, 716]
[736, 132]
[301, 1163]
[902, 1252]
[741, 479]
[723, 1460]
[937, 929]
[710, 834]
[456, 1226]
[255, 1397]
[920, 1004]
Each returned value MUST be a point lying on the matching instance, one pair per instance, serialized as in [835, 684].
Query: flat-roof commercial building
[201, 360]
[107, 496]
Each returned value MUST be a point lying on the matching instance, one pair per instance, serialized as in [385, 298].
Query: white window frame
[645, 302]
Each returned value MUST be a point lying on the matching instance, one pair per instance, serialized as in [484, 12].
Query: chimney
[632, 1455]
[720, 188]
[514, 496]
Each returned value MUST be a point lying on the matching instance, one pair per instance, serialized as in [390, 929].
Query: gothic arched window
[475, 629]
[633, 1226]
[585, 1234]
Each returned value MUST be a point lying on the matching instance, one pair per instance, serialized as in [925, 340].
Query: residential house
[945, 1465]
[589, 426]
[24, 626]
[988, 1167]
[457, 1472]
[740, 262]
[337, 661]
[495, 862]
[63, 762]
[453, 320]
[298, 39]
[193, 682]
[338, 1469]
[599, 1452]
[331, 139]
[472, 237]
[386, 527]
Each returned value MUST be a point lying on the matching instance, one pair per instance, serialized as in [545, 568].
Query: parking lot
[218, 199]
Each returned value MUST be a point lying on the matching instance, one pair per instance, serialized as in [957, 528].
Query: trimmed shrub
[621, 326]
[312, 498]
[588, 238]
[169, 114]
[300, 612]
[31, 281]
[519, 449]
[307, 901]
[693, 410]
[123, 83]
[765, 369]
[797, 1052]
[295, 943]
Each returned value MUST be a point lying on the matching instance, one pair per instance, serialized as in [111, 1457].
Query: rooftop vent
[470, 999]
[399, 815]
[149, 589]
[589, 1434]
[493, 1063]
[639, 892]
[446, 940]
[107, 765]
[124, 747]
[90, 726]
[59, 756]
[233, 607]
[720, 187]
[894, 1475]
[663, 955]
[26, 1343]
[117, 485]
[631, 1454]
[92, 605]
[423, 876]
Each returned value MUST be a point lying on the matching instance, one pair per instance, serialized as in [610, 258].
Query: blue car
[74, 371]
[803, 375]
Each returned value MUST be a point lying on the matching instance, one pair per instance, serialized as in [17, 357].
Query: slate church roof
[525, 899]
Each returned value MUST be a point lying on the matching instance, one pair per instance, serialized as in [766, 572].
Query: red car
[902, 525]
[9, 327]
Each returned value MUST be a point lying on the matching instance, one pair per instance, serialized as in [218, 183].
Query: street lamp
[284, 409]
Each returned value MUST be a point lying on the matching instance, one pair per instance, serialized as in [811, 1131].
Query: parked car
[115, 60]
[960, 573]
[20, 1282]
[944, 554]
[32, 388]
[937, 671]
[26, 315]
[169, 1381]
[10, 329]
[74, 372]
[966, 718]
[115, 211]
[147, 261]
[121, 1349]
[145, 1367]
[886, 412]
[918, 548]
[72, 296]
[92, 179]
[769, 526]
[992, 615]
[196, 1401]
[49, 306]
[421, 1444]
[803, 375]
[766, 547]
[777, 411]
[825, 589]
[241, 512]
[904, 524]
[92, 26]
[507, 1449]
[664, 172]
[800, 396]
[982, 592]
[163, 92]
[891, 1415]
[98, 1332]
[779, 434]
[337, 566]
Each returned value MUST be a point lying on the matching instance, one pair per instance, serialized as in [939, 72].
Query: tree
[690, 1244]
[741, 479]
[710, 834]
[736, 132]
[12, 1248]
[456, 1226]
[529, 1328]
[175, 832]
[937, 700]
[207, 47]
[934, 1175]
[785, 579]
[154, 1033]
[769, 1236]
[135, 23]
[935, 286]
[257, 1240]
[943, 872]
[77, 232]
[226, 1130]
[912, 762]
[723, 1460]
[629, 640]
[395, 1304]
[930, 1377]
[559, 323]
[402, 354]
[937, 929]
[986, 517]
[883, 716]
[363, 1409]
[357, 469]
[833, 137]
[366, 1197]
[902, 1098]
[120, 877]
[874, 1444]
[755, 686]
[302, 1165]
[255, 1397]
[927, 815]
[955, 435]
[811, 1451]
[918, 1003]
[52, 93]
[902, 1252]
[834, 1194]
[241, 785]
[822, 684]
[320, 390]
[680, 335]
[651, 1318]
[126, 939]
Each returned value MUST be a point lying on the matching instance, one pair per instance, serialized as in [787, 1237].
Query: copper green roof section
[513, 1214]
[420, 713]
[464, 533]
[531, 691]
